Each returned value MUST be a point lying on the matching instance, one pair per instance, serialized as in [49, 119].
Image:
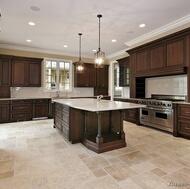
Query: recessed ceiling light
[31, 23]
[34, 8]
[94, 50]
[28, 40]
[113, 40]
[65, 46]
[142, 25]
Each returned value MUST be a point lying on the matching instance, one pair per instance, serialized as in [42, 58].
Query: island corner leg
[122, 134]
[99, 138]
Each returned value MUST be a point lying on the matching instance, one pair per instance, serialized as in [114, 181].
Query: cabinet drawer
[20, 116]
[41, 101]
[184, 111]
[184, 127]
[21, 108]
[4, 101]
[66, 131]
[21, 101]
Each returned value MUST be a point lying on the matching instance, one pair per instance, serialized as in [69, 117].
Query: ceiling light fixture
[31, 23]
[80, 63]
[142, 25]
[65, 46]
[99, 56]
[113, 40]
[28, 40]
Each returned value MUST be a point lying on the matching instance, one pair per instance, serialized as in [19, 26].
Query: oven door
[145, 115]
[162, 118]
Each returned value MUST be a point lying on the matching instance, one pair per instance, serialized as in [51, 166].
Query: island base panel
[104, 147]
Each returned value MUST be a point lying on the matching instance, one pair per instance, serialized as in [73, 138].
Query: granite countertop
[93, 105]
[24, 98]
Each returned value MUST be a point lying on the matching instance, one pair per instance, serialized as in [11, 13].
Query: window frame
[57, 72]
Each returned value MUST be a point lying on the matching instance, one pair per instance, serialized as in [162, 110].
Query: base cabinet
[4, 111]
[130, 115]
[24, 109]
[72, 129]
[40, 108]
[21, 110]
[184, 120]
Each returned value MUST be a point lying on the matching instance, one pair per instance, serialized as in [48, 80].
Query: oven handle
[158, 109]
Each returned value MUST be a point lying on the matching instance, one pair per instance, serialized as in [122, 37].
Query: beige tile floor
[34, 155]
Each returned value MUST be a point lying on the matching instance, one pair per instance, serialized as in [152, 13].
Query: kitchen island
[98, 124]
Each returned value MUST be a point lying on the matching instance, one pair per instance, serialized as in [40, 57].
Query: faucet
[99, 97]
[58, 93]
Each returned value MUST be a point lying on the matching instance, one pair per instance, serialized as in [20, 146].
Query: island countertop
[93, 105]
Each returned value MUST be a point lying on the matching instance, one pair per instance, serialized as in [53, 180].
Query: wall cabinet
[41, 108]
[4, 111]
[26, 72]
[124, 72]
[92, 77]
[5, 76]
[101, 81]
[163, 57]
[87, 78]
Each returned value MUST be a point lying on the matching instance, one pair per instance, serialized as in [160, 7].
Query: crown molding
[182, 22]
[39, 50]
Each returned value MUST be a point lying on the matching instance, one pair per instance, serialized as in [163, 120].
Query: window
[58, 75]
[116, 78]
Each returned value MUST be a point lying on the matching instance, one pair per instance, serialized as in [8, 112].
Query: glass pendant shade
[80, 63]
[99, 56]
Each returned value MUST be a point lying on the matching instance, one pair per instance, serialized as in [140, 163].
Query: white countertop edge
[93, 105]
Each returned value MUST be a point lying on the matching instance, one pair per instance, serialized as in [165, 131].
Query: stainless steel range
[159, 112]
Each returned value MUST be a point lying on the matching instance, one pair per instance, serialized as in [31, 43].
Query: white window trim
[70, 75]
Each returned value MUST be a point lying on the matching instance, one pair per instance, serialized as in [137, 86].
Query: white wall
[169, 85]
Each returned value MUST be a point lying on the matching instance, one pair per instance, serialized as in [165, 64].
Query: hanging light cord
[99, 16]
[80, 46]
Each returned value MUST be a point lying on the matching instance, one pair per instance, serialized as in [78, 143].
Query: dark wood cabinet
[5, 70]
[124, 73]
[71, 128]
[142, 63]
[163, 57]
[184, 120]
[5, 76]
[87, 78]
[4, 111]
[101, 81]
[41, 108]
[102, 76]
[21, 110]
[130, 115]
[26, 72]
[175, 53]
[157, 57]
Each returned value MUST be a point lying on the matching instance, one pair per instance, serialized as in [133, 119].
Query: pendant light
[99, 56]
[80, 63]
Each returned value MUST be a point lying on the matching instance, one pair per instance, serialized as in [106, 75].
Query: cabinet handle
[188, 128]
[187, 112]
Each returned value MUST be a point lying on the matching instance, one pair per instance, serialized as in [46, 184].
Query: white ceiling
[59, 21]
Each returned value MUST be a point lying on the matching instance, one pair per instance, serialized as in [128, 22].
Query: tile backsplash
[33, 92]
[169, 85]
